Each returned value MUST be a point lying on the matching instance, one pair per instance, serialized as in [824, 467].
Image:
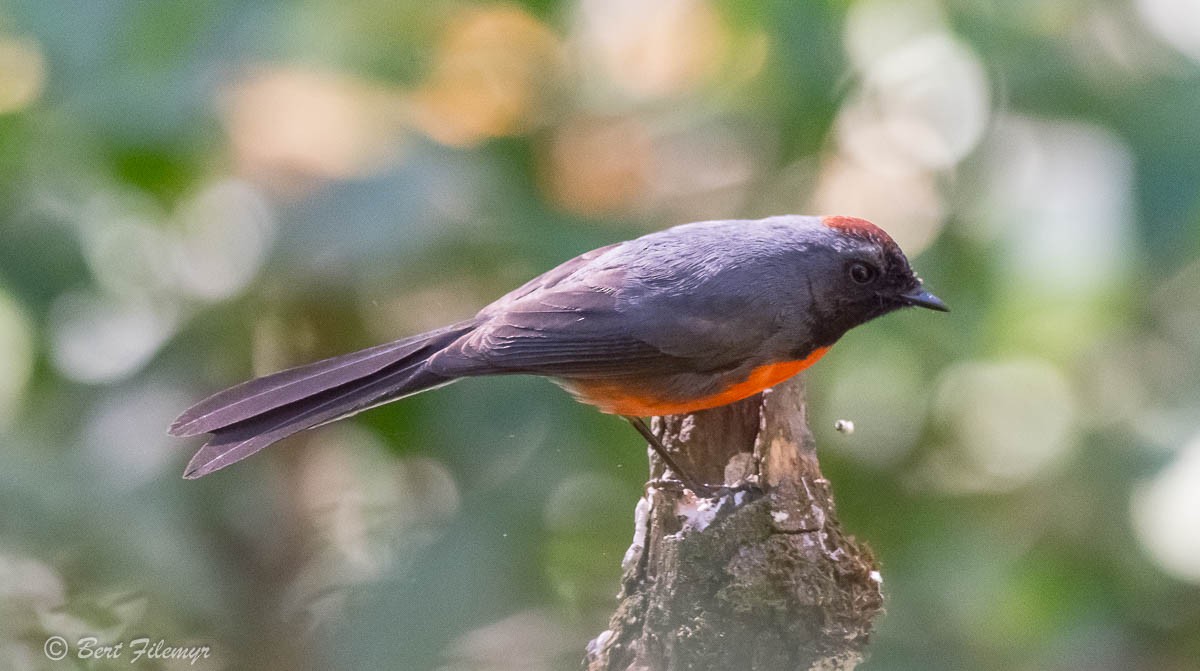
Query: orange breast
[621, 400]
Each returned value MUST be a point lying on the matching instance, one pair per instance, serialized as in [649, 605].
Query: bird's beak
[922, 298]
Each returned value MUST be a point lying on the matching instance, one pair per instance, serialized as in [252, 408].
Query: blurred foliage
[196, 192]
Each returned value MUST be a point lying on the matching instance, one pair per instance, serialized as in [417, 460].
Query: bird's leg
[637, 423]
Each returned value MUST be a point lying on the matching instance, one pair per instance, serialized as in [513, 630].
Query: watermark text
[134, 650]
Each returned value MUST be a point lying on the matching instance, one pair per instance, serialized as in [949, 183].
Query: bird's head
[862, 274]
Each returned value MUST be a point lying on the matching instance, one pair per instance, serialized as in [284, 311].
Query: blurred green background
[195, 192]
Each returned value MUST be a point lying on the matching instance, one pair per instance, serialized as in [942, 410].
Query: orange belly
[621, 400]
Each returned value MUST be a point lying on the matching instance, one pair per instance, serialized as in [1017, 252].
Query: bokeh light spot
[1177, 22]
[124, 438]
[594, 166]
[290, 123]
[22, 73]
[1166, 514]
[227, 230]
[493, 77]
[98, 338]
[1012, 419]
[1060, 195]
[651, 49]
[16, 356]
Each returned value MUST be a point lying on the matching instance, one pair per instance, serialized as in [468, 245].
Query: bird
[688, 318]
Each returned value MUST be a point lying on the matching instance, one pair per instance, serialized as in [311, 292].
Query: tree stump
[761, 577]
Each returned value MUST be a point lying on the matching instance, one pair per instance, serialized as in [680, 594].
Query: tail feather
[260, 395]
[252, 415]
[238, 441]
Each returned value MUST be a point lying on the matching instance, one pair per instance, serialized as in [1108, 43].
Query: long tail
[246, 418]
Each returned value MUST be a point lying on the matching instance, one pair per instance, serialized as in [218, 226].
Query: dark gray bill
[923, 299]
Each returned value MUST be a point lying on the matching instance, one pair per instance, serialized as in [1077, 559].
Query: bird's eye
[862, 273]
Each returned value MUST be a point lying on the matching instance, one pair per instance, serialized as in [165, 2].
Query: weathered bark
[757, 579]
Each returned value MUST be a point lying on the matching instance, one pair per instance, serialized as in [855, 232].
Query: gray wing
[561, 274]
[590, 318]
[571, 328]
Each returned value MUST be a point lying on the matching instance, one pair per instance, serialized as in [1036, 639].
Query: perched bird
[685, 319]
